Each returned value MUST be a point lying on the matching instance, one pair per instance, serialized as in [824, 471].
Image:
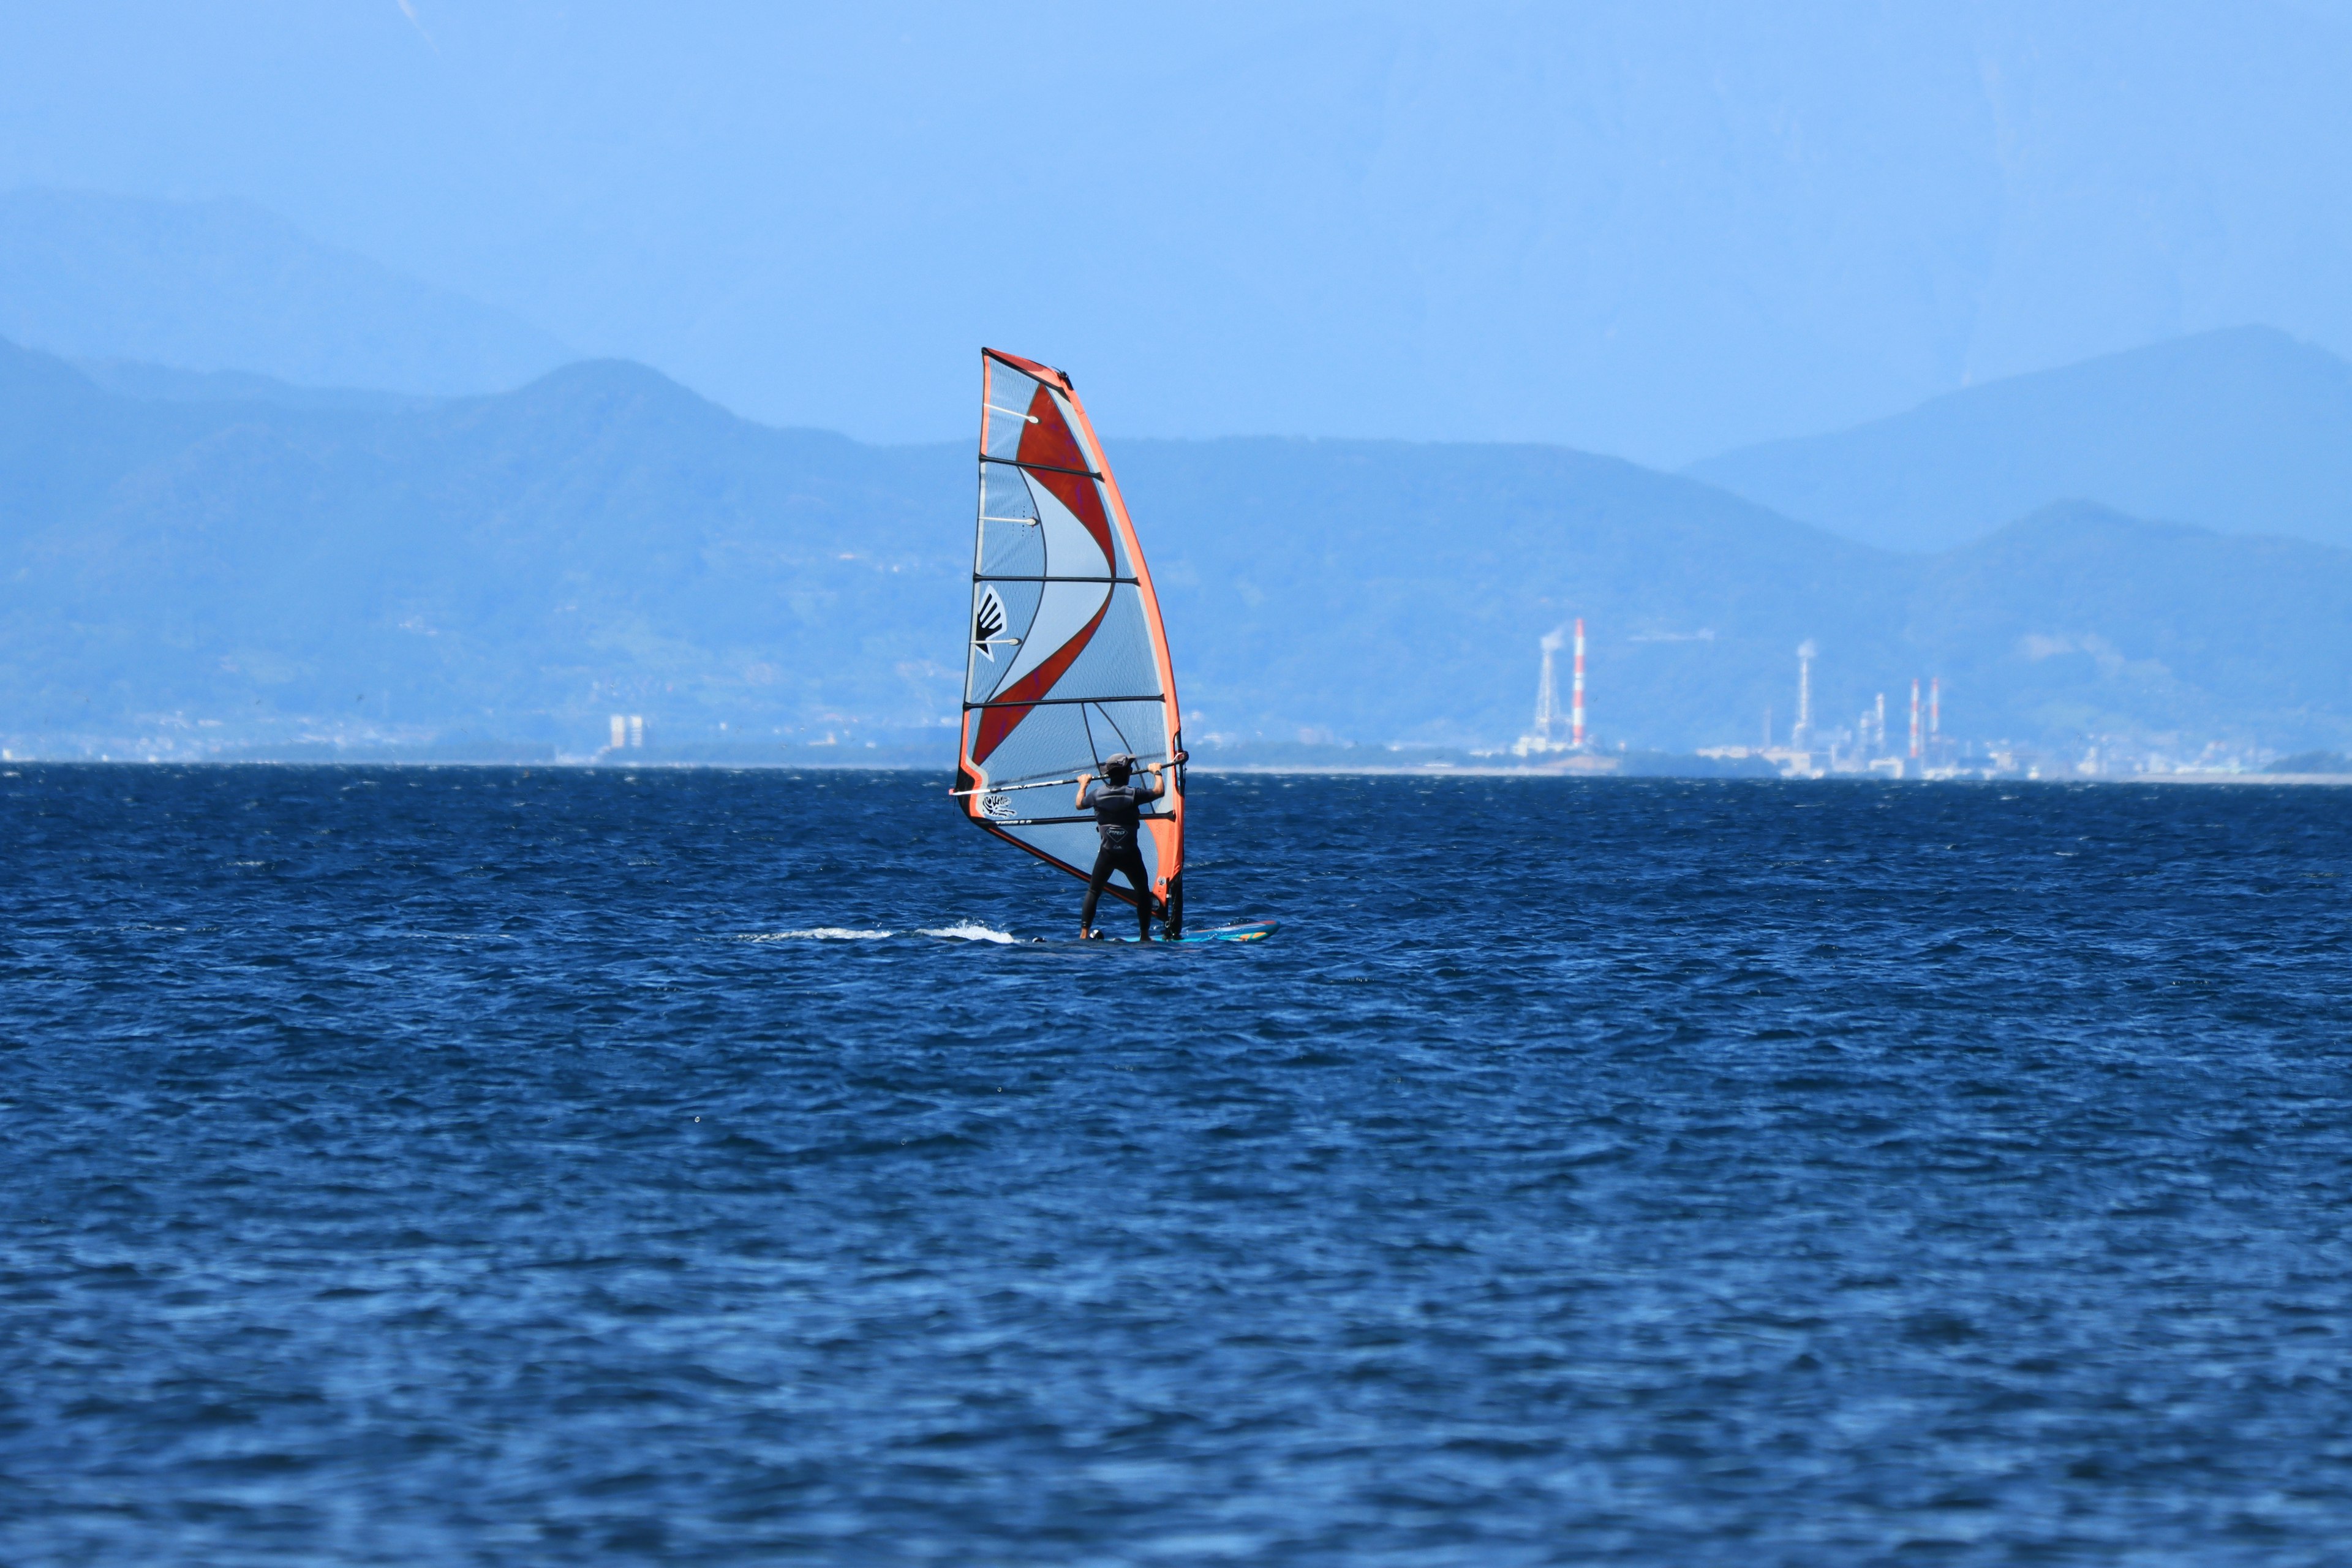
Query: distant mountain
[1661, 230]
[2245, 430]
[1386, 591]
[181, 576]
[1395, 591]
[225, 286]
[163, 383]
[187, 573]
[2081, 621]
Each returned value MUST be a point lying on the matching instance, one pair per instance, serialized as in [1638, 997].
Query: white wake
[819, 933]
[966, 930]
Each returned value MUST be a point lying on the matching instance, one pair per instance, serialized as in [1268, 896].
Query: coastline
[1234, 769]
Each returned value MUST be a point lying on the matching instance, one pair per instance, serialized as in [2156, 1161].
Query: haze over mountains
[2245, 430]
[238, 521]
[192, 575]
[1660, 230]
[222, 286]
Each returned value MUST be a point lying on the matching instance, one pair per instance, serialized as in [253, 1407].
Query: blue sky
[1657, 230]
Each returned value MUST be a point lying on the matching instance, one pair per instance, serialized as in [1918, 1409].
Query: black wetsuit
[1119, 819]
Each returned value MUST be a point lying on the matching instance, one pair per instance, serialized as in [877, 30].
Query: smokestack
[1801, 739]
[1914, 721]
[1934, 707]
[1576, 698]
[1879, 729]
[1547, 692]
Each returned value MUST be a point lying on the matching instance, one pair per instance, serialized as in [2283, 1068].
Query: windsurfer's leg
[1175, 911]
[1140, 878]
[1104, 863]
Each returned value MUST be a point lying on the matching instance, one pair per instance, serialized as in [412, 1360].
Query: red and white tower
[1576, 693]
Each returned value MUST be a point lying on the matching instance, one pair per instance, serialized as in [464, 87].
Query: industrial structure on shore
[1812, 750]
[1543, 739]
[1813, 754]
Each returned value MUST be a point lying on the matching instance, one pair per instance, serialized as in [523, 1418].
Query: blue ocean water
[484, 1166]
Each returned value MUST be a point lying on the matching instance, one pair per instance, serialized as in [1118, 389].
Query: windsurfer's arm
[1083, 785]
[1158, 785]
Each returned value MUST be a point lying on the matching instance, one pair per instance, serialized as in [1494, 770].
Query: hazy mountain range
[2245, 430]
[224, 286]
[1657, 230]
[199, 571]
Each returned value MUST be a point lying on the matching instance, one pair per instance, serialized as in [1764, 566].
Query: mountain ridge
[228, 285]
[2245, 430]
[192, 578]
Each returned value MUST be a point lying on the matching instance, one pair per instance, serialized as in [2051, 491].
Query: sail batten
[1041, 468]
[1065, 656]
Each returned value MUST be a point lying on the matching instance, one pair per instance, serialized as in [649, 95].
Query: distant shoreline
[1261, 770]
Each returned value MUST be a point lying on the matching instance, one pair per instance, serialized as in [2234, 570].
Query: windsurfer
[1117, 808]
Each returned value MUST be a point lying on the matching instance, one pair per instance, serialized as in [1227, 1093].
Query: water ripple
[476, 1165]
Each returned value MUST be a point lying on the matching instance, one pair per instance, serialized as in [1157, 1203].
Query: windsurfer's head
[1116, 768]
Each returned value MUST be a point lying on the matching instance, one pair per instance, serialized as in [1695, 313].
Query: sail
[1066, 659]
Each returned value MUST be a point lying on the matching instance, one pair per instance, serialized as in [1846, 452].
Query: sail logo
[996, 805]
[988, 624]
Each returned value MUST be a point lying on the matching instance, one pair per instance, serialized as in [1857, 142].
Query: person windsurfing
[1117, 808]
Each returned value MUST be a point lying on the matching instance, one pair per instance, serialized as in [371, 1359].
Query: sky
[1657, 230]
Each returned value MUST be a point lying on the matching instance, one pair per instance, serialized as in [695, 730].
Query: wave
[966, 930]
[819, 933]
[962, 931]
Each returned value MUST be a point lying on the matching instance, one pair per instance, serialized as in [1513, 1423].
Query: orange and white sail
[1065, 659]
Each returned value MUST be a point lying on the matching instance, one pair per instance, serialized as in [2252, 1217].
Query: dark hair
[1117, 770]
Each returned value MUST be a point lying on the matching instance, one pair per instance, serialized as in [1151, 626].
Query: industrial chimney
[1547, 698]
[1801, 739]
[1542, 738]
[1576, 707]
[1914, 719]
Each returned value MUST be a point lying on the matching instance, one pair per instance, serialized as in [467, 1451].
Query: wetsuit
[1118, 821]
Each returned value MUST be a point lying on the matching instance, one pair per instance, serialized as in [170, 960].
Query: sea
[472, 1165]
